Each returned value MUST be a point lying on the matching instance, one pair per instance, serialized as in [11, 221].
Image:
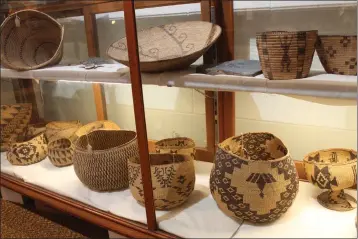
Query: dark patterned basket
[60, 152]
[286, 55]
[178, 145]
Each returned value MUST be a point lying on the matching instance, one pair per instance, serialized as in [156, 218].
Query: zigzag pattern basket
[60, 152]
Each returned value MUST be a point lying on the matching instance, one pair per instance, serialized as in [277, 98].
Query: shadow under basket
[173, 179]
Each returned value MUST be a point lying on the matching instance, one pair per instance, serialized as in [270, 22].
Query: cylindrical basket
[61, 129]
[338, 54]
[173, 179]
[60, 152]
[286, 55]
[100, 158]
[178, 145]
[30, 39]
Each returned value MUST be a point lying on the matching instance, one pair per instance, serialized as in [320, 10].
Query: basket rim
[52, 148]
[73, 124]
[192, 145]
[338, 35]
[186, 159]
[305, 159]
[77, 133]
[278, 32]
[16, 144]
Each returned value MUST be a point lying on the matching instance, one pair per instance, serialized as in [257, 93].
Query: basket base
[337, 200]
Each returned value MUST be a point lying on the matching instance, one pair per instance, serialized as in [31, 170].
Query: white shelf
[318, 84]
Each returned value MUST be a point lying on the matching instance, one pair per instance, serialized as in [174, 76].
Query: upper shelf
[318, 84]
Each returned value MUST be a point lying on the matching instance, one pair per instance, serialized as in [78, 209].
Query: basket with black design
[177, 145]
[60, 152]
[286, 55]
[173, 179]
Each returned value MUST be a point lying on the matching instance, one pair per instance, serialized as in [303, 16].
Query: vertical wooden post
[224, 12]
[92, 46]
[137, 92]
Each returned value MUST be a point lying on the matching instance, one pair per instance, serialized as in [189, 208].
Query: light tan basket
[253, 177]
[178, 145]
[14, 122]
[168, 47]
[96, 125]
[30, 39]
[61, 129]
[100, 158]
[286, 55]
[338, 54]
[60, 152]
[173, 179]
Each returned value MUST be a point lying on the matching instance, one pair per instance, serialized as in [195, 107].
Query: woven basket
[60, 152]
[168, 47]
[333, 170]
[102, 166]
[96, 125]
[253, 177]
[28, 152]
[33, 130]
[14, 122]
[37, 40]
[338, 54]
[61, 129]
[286, 55]
[179, 145]
[173, 179]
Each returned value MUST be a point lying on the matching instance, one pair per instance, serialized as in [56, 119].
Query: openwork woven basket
[179, 145]
[30, 39]
[100, 158]
[168, 47]
[338, 54]
[173, 179]
[14, 122]
[333, 170]
[62, 129]
[253, 177]
[286, 55]
[60, 152]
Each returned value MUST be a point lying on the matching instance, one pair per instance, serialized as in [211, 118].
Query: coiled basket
[100, 158]
[253, 177]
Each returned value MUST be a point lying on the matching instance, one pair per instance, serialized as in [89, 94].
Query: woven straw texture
[179, 145]
[338, 54]
[168, 47]
[333, 170]
[61, 129]
[103, 166]
[173, 179]
[14, 123]
[37, 40]
[60, 152]
[33, 130]
[286, 55]
[253, 177]
[96, 125]
[28, 152]
[17, 222]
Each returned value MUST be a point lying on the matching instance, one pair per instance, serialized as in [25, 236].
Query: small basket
[61, 129]
[338, 54]
[173, 179]
[100, 158]
[60, 152]
[30, 39]
[178, 145]
[286, 55]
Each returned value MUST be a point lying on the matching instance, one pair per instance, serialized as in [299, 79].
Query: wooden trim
[137, 93]
[226, 115]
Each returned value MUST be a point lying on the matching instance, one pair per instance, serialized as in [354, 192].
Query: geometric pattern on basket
[61, 129]
[178, 145]
[60, 152]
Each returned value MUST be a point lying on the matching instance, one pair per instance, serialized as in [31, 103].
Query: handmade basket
[30, 39]
[334, 170]
[61, 129]
[28, 152]
[60, 152]
[173, 179]
[178, 145]
[96, 125]
[14, 122]
[100, 158]
[286, 55]
[253, 177]
[168, 47]
[338, 54]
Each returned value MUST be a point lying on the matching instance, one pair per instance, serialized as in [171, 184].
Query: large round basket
[173, 179]
[253, 177]
[62, 129]
[338, 54]
[168, 47]
[286, 55]
[30, 39]
[60, 152]
[100, 158]
[178, 145]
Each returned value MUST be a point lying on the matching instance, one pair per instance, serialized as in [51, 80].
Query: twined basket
[177, 145]
[62, 129]
[173, 179]
[286, 55]
[30, 39]
[60, 152]
[253, 177]
[100, 158]
[338, 54]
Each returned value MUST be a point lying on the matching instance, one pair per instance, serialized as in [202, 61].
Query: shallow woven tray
[37, 41]
[168, 47]
[60, 152]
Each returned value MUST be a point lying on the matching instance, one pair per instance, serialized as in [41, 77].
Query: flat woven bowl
[286, 55]
[173, 179]
[168, 47]
[253, 177]
[178, 145]
[338, 54]
[103, 166]
[60, 152]
[61, 129]
[14, 122]
[29, 40]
